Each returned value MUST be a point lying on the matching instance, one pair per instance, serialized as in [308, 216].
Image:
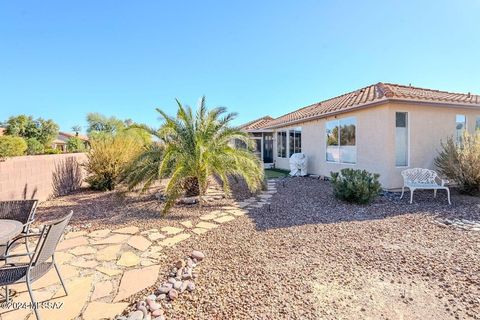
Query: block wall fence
[39, 177]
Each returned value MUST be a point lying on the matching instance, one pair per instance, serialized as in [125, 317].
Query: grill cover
[298, 164]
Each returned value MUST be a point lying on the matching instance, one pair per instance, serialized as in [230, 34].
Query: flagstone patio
[104, 267]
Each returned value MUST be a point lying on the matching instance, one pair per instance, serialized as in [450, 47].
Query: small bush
[75, 144]
[34, 146]
[12, 146]
[357, 186]
[461, 162]
[52, 151]
[107, 159]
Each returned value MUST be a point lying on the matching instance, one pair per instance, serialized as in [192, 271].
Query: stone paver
[114, 239]
[224, 219]
[72, 243]
[72, 305]
[199, 230]
[62, 257]
[206, 225]
[102, 310]
[139, 243]
[85, 263]
[99, 233]
[80, 251]
[187, 224]
[154, 236]
[147, 262]
[237, 212]
[75, 234]
[9, 312]
[208, 216]
[128, 259]
[102, 289]
[136, 280]
[49, 279]
[108, 253]
[127, 230]
[109, 271]
[174, 240]
[171, 230]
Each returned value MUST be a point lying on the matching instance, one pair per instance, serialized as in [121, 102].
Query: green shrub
[358, 186]
[75, 144]
[52, 151]
[12, 146]
[34, 146]
[461, 162]
[107, 159]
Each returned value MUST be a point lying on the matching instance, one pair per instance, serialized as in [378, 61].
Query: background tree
[76, 128]
[75, 144]
[100, 126]
[34, 146]
[11, 146]
[26, 127]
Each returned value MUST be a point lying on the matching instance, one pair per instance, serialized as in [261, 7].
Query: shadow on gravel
[301, 201]
[112, 208]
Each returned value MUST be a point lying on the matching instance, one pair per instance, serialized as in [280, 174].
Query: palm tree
[193, 147]
[76, 128]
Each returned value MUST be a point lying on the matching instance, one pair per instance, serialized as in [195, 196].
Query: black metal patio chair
[20, 210]
[41, 260]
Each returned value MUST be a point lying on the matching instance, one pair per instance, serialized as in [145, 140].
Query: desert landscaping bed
[310, 256]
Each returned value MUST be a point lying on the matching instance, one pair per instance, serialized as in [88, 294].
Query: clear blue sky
[62, 59]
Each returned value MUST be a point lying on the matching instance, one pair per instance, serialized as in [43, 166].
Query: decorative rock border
[180, 280]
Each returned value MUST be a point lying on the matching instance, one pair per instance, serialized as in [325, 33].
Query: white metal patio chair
[426, 179]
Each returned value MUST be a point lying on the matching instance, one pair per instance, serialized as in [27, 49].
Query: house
[263, 139]
[61, 140]
[383, 128]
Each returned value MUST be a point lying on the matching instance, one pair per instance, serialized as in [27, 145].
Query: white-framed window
[282, 144]
[401, 139]
[295, 141]
[460, 126]
[341, 140]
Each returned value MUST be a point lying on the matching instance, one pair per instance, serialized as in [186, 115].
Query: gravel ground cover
[310, 256]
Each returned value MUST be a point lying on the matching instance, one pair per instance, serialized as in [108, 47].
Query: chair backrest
[419, 176]
[49, 239]
[20, 210]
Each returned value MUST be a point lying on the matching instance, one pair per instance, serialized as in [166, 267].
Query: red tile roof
[369, 96]
[256, 124]
[70, 135]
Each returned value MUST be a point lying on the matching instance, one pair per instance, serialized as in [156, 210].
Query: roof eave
[377, 103]
[334, 113]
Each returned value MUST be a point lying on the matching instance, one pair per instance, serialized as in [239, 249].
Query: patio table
[9, 229]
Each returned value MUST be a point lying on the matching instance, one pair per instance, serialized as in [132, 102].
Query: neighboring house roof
[256, 124]
[373, 95]
[70, 135]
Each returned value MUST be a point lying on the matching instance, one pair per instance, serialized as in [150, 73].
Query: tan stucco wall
[32, 177]
[375, 137]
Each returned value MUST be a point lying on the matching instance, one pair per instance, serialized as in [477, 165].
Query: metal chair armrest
[21, 237]
[16, 255]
